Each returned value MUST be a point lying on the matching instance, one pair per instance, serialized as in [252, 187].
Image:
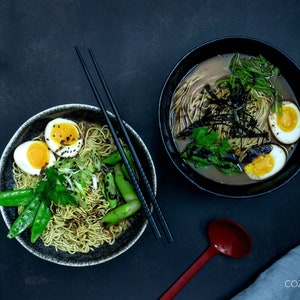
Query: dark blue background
[137, 43]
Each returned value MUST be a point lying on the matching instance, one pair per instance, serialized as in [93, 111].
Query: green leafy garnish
[207, 149]
[80, 173]
[53, 188]
[254, 75]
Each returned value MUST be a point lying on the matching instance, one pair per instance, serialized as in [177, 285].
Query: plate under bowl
[247, 46]
[32, 128]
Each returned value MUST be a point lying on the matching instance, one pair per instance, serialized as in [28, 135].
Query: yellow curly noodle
[23, 181]
[77, 229]
[191, 101]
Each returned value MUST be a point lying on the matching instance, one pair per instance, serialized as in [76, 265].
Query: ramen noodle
[78, 229]
[239, 117]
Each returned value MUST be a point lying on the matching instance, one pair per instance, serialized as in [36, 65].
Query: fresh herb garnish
[53, 188]
[254, 75]
[80, 173]
[207, 149]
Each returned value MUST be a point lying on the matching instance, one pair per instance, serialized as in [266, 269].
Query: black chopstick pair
[139, 167]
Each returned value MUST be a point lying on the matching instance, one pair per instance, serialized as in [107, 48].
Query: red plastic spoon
[226, 237]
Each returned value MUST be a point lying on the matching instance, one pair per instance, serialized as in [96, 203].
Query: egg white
[22, 160]
[285, 137]
[66, 147]
[279, 157]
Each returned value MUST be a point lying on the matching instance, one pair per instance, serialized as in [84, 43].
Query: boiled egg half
[286, 128]
[63, 137]
[33, 156]
[266, 165]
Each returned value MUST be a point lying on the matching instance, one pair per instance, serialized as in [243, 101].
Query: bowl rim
[8, 151]
[179, 71]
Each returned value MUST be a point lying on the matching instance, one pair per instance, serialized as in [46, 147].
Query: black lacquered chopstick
[119, 146]
[133, 152]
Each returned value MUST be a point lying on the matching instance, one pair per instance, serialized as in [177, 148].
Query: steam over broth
[191, 110]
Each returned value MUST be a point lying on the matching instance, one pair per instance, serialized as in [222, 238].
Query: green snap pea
[113, 158]
[40, 222]
[26, 218]
[131, 163]
[110, 188]
[116, 157]
[121, 212]
[125, 172]
[16, 197]
[124, 186]
[127, 209]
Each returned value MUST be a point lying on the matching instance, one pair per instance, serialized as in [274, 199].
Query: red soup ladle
[226, 237]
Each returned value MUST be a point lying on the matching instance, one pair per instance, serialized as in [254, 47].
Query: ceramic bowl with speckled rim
[32, 128]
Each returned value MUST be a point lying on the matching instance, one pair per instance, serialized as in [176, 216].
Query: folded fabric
[280, 281]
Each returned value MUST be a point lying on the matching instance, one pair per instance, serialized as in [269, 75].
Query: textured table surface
[137, 44]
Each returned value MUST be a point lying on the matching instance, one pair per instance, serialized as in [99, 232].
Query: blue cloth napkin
[280, 281]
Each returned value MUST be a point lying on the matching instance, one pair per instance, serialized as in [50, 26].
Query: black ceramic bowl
[211, 49]
[32, 128]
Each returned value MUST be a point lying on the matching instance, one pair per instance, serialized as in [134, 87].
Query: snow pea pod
[16, 197]
[127, 209]
[113, 158]
[40, 222]
[121, 212]
[125, 172]
[116, 157]
[26, 218]
[110, 188]
[124, 186]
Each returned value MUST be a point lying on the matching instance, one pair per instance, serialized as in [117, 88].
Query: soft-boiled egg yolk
[63, 137]
[286, 127]
[261, 165]
[38, 155]
[266, 165]
[289, 119]
[64, 134]
[33, 156]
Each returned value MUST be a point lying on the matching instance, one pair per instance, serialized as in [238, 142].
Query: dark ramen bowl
[289, 71]
[32, 128]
